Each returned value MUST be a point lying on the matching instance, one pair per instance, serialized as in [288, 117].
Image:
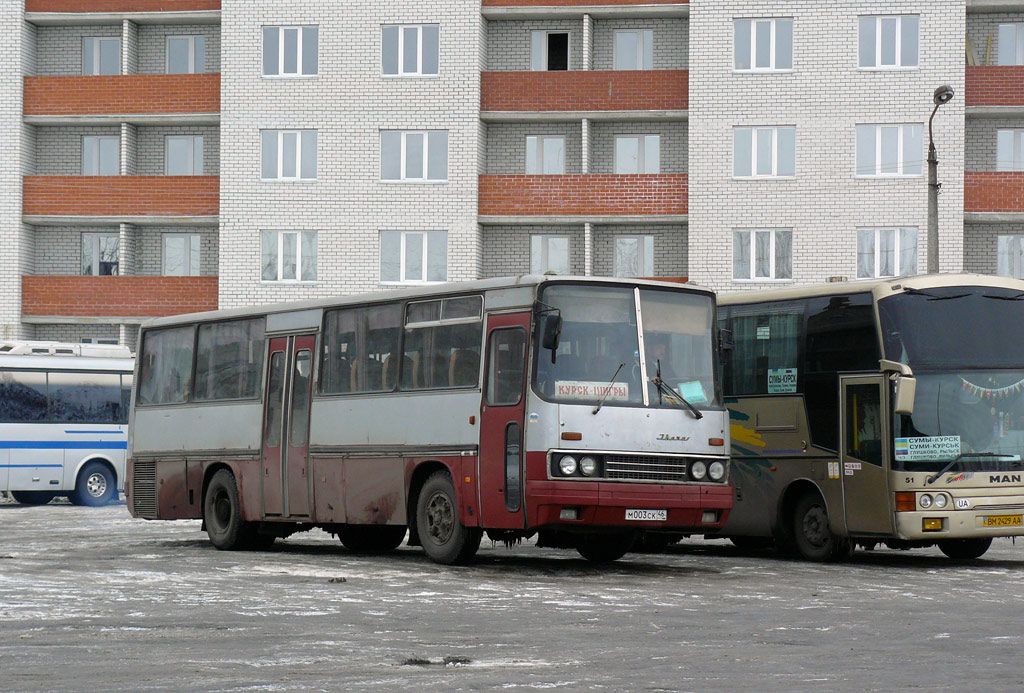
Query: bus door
[286, 426]
[864, 455]
[502, 463]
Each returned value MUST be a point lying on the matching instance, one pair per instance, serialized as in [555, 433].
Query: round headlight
[941, 500]
[698, 470]
[588, 466]
[925, 500]
[716, 471]
[567, 465]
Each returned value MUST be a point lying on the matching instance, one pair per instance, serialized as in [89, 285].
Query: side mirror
[725, 342]
[551, 331]
[903, 397]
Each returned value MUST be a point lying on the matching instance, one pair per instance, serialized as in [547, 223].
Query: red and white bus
[582, 410]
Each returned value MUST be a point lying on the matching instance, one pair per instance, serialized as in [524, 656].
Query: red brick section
[571, 3]
[990, 191]
[121, 195]
[994, 86]
[142, 297]
[120, 5]
[588, 194]
[582, 90]
[122, 94]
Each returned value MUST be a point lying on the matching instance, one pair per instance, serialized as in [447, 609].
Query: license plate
[645, 515]
[1004, 521]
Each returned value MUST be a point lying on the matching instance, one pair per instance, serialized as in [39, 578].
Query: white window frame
[539, 163]
[86, 139]
[645, 35]
[403, 243]
[1016, 160]
[775, 152]
[281, 74]
[898, 250]
[642, 163]
[899, 42]
[1003, 55]
[752, 259]
[192, 52]
[1010, 255]
[190, 271]
[96, 53]
[192, 149]
[298, 257]
[545, 251]
[401, 51]
[544, 53]
[91, 245]
[403, 178]
[753, 45]
[646, 245]
[280, 156]
[901, 163]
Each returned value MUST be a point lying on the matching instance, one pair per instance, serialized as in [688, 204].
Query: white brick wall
[152, 148]
[981, 141]
[983, 26]
[671, 41]
[506, 249]
[670, 248]
[673, 141]
[506, 145]
[58, 150]
[75, 333]
[60, 47]
[150, 241]
[15, 237]
[153, 45]
[981, 245]
[509, 42]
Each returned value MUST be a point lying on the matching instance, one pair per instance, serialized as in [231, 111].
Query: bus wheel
[222, 513]
[445, 540]
[814, 538]
[33, 497]
[95, 485]
[371, 538]
[964, 549]
[604, 548]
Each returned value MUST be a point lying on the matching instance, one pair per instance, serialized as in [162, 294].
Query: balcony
[105, 200]
[995, 90]
[571, 95]
[139, 99]
[50, 299]
[79, 12]
[578, 198]
[573, 9]
[994, 196]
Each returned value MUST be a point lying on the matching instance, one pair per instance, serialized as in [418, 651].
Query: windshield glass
[963, 412]
[599, 333]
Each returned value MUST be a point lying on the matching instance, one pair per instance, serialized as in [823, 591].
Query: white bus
[63, 422]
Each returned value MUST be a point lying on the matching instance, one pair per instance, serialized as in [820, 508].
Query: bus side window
[505, 367]
[275, 399]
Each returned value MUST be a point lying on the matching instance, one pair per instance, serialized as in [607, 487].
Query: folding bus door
[864, 454]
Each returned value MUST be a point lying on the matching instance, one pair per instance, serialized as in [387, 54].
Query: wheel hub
[816, 526]
[440, 518]
[221, 510]
[96, 485]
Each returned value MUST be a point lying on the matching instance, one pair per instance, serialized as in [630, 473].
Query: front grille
[1009, 506]
[645, 468]
[144, 489]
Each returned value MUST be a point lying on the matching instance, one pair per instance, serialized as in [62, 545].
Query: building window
[1010, 260]
[181, 255]
[289, 256]
[413, 256]
[634, 256]
[1011, 44]
[545, 155]
[186, 54]
[762, 254]
[288, 154]
[290, 51]
[764, 152]
[637, 154]
[101, 156]
[549, 254]
[183, 155]
[1010, 150]
[634, 49]
[888, 42]
[100, 254]
[99, 340]
[407, 155]
[886, 252]
[101, 55]
[890, 150]
[409, 50]
[763, 44]
[549, 50]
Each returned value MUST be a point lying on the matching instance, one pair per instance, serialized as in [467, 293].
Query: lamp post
[942, 95]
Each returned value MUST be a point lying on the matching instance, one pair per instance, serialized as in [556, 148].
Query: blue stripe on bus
[59, 445]
[29, 466]
[120, 433]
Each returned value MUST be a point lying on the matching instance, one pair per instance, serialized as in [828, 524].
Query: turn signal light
[570, 435]
[905, 502]
[716, 442]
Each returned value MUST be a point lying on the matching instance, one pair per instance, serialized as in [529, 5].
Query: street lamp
[943, 94]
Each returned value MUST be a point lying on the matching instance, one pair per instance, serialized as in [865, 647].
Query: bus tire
[222, 513]
[95, 485]
[33, 497]
[604, 548]
[443, 537]
[371, 538]
[814, 537]
[965, 549]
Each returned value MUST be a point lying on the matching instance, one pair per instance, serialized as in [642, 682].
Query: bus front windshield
[964, 346]
[598, 356]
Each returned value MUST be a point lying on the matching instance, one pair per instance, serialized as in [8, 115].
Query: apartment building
[179, 155]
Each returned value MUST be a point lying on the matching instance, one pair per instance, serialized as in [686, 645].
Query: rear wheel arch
[419, 477]
[782, 529]
[208, 474]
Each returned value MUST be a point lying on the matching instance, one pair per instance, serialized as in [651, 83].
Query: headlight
[716, 471]
[588, 466]
[924, 500]
[698, 470]
[941, 501]
[567, 465]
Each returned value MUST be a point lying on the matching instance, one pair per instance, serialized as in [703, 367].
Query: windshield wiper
[666, 389]
[962, 456]
[931, 296]
[1004, 298]
[607, 389]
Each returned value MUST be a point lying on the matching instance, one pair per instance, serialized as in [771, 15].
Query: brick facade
[624, 90]
[593, 194]
[121, 196]
[122, 94]
[116, 297]
[995, 86]
[121, 5]
[989, 191]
